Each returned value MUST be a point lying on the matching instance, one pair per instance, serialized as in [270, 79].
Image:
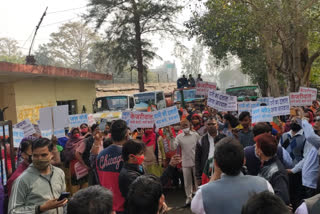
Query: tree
[129, 23]
[191, 62]
[10, 51]
[72, 45]
[274, 33]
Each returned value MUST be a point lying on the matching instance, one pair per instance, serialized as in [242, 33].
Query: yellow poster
[31, 112]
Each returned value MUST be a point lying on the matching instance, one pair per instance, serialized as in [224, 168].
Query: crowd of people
[224, 162]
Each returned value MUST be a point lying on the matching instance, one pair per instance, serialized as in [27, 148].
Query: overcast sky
[20, 17]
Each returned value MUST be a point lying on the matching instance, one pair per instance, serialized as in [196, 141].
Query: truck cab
[153, 99]
[252, 92]
[113, 103]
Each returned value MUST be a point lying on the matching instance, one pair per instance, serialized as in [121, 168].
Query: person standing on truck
[199, 79]
[182, 82]
[191, 81]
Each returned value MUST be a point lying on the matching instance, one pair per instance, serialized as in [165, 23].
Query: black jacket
[274, 172]
[202, 153]
[130, 172]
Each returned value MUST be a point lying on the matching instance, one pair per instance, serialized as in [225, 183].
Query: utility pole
[30, 59]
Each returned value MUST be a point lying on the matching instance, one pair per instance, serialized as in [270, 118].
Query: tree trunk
[139, 56]
[273, 85]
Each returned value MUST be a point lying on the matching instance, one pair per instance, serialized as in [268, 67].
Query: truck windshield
[189, 95]
[145, 98]
[112, 103]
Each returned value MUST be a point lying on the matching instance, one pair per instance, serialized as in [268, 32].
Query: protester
[272, 169]
[146, 196]
[310, 206]
[199, 78]
[294, 142]
[191, 81]
[133, 157]
[109, 163]
[253, 163]
[188, 141]
[75, 161]
[265, 203]
[92, 200]
[152, 152]
[205, 148]
[37, 190]
[26, 154]
[230, 122]
[197, 124]
[232, 189]
[245, 135]
[182, 82]
[84, 130]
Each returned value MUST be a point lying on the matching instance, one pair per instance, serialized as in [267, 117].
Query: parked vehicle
[189, 95]
[113, 103]
[150, 99]
[252, 92]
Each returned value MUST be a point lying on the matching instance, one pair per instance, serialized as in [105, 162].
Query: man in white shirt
[187, 141]
[205, 147]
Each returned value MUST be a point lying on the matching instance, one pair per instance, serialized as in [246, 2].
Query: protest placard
[126, 116]
[232, 104]
[300, 99]
[247, 106]
[265, 100]
[217, 100]
[91, 119]
[312, 91]
[280, 106]
[26, 126]
[18, 135]
[166, 117]
[48, 133]
[141, 120]
[202, 88]
[56, 117]
[262, 114]
[77, 119]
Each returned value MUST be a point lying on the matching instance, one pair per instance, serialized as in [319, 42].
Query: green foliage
[10, 51]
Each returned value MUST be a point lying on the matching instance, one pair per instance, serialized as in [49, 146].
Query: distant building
[24, 89]
[167, 72]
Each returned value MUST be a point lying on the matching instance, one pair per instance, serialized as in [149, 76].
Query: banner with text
[300, 99]
[166, 117]
[218, 100]
[312, 91]
[247, 106]
[77, 119]
[280, 106]
[48, 133]
[202, 88]
[18, 135]
[141, 120]
[232, 104]
[265, 100]
[261, 114]
[26, 126]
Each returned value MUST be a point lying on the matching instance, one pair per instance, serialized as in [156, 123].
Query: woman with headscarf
[78, 181]
[85, 131]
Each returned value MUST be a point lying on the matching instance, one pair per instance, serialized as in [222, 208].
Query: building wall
[36, 93]
[7, 99]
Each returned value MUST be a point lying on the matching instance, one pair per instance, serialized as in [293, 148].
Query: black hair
[265, 203]
[232, 120]
[243, 115]
[84, 124]
[92, 200]
[144, 195]
[94, 127]
[107, 142]
[229, 156]
[118, 130]
[132, 147]
[263, 104]
[261, 128]
[42, 142]
[219, 137]
[24, 145]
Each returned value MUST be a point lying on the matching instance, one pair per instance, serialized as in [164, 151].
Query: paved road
[175, 199]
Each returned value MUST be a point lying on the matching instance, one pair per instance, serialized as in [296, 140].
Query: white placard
[217, 100]
[45, 118]
[126, 116]
[166, 117]
[262, 114]
[202, 88]
[247, 106]
[77, 119]
[232, 104]
[18, 135]
[141, 120]
[280, 106]
[26, 126]
[300, 99]
[312, 91]
[91, 120]
[60, 116]
[265, 100]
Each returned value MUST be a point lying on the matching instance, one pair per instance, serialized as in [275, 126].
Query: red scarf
[149, 139]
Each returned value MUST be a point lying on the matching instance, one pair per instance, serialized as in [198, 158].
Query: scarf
[149, 139]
